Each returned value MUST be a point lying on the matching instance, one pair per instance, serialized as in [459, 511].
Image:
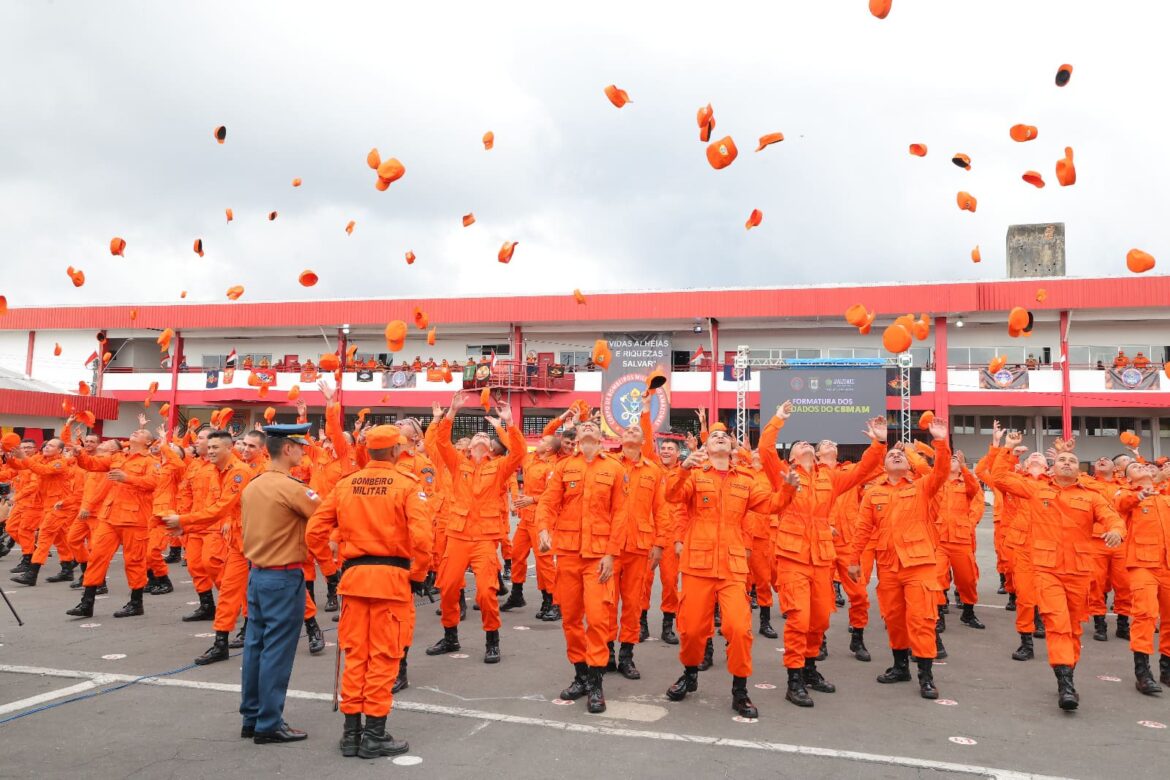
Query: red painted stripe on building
[36, 404]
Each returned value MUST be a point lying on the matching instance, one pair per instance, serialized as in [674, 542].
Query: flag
[165, 360]
[492, 362]
[90, 359]
[697, 357]
[230, 360]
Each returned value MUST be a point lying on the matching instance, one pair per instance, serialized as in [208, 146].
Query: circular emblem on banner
[1002, 378]
[1131, 377]
[621, 404]
[483, 372]
[796, 383]
[398, 379]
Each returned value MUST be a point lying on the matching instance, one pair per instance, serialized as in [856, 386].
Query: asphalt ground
[106, 698]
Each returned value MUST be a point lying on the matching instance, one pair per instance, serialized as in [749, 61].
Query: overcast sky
[109, 108]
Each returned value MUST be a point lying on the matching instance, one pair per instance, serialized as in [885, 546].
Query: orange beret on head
[382, 437]
[717, 427]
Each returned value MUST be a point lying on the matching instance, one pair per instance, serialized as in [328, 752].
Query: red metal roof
[966, 297]
[33, 403]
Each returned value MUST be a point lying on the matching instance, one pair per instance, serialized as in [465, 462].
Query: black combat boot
[66, 573]
[508, 570]
[104, 588]
[28, 576]
[20, 568]
[1164, 669]
[857, 644]
[625, 663]
[79, 583]
[133, 607]
[823, 653]
[545, 603]
[643, 627]
[1100, 628]
[217, 652]
[1122, 627]
[1039, 631]
[1002, 584]
[708, 656]
[401, 682]
[838, 594]
[448, 644]
[926, 679]
[462, 605]
[241, 636]
[940, 625]
[814, 679]
[85, 608]
[351, 735]
[968, 619]
[797, 693]
[174, 555]
[611, 665]
[668, 634]
[1144, 677]
[580, 685]
[1066, 694]
[162, 586]
[766, 623]
[376, 742]
[940, 652]
[718, 618]
[688, 683]
[1025, 652]
[515, 599]
[316, 637]
[596, 693]
[553, 614]
[900, 671]
[1011, 605]
[205, 610]
[331, 604]
[739, 699]
[501, 588]
[491, 653]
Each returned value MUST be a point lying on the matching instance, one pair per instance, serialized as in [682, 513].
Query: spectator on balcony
[444, 364]
[404, 367]
[589, 364]
[485, 360]
[1032, 363]
[430, 364]
[1100, 365]
[530, 364]
[455, 366]
[294, 365]
[1121, 361]
[247, 361]
[183, 364]
[1141, 362]
[263, 362]
[417, 365]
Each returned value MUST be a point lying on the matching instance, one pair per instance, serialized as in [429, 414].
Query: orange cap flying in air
[1023, 133]
[10, 441]
[918, 150]
[56, 350]
[506, 251]
[82, 388]
[391, 170]
[706, 119]
[307, 278]
[294, 392]
[896, 339]
[962, 160]
[579, 297]
[997, 363]
[769, 139]
[269, 415]
[1041, 295]
[966, 201]
[976, 255]
[431, 337]
[601, 354]
[489, 140]
[76, 275]
[920, 328]
[1138, 261]
[220, 134]
[1130, 439]
[228, 214]
[1018, 318]
[855, 315]
[722, 153]
[235, 291]
[754, 219]
[329, 362]
[164, 339]
[272, 216]
[296, 182]
[468, 219]
[198, 247]
[1063, 74]
[880, 8]
[349, 228]
[162, 410]
[410, 257]
[485, 398]
[1066, 172]
[225, 416]
[926, 419]
[396, 335]
[420, 319]
[655, 379]
[117, 246]
[617, 96]
[1034, 178]
[373, 159]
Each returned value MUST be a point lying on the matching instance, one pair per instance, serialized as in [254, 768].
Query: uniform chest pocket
[737, 560]
[700, 554]
[599, 536]
[573, 483]
[457, 520]
[1044, 552]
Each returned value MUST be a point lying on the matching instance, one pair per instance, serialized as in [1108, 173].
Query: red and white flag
[90, 359]
[697, 357]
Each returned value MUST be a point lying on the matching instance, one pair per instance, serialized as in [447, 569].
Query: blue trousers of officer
[276, 610]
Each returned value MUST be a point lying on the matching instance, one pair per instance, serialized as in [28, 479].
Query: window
[212, 362]
[1101, 426]
[963, 424]
[502, 350]
[1164, 428]
[1054, 427]
[575, 359]
[1020, 423]
[534, 426]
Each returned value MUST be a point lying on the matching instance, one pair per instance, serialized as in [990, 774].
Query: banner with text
[635, 355]
[830, 403]
[1132, 378]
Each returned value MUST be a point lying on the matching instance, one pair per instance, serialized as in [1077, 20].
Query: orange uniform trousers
[668, 577]
[1109, 574]
[857, 592]
[522, 544]
[586, 609]
[762, 569]
[485, 565]
[370, 633]
[806, 599]
[53, 522]
[1150, 590]
[158, 540]
[1064, 606]
[959, 558]
[908, 599]
[629, 574]
[1002, 564]
[696, 615]
[1023, 584]
[77, 537]
[22, 526]
[106, 540]
[206, 556]
[233, 590]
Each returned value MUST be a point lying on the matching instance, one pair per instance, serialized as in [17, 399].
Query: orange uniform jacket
[380, 511]
[898, 515]
[94, 494]
[222, 508]
[26, 491]
[129, 503]
[537, 470]
[1148, 530]
[582, 507]
[960, 508]
[1062, 519]
[170, 469]
[478, 488]
[645, 505]
[55, 476]
[199, 483]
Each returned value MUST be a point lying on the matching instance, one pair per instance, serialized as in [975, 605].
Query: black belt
[377, 560]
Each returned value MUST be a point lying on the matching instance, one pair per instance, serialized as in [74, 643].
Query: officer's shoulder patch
[238, 478]
[422, 496]
[312, 494]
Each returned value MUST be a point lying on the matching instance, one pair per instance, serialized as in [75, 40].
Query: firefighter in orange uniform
[480, 484]
[580, 519]
[897, 513]
[56, 474]
[959, 508]
[538, 466]
[384, 529]
[169, 467]
[1063, 517]
[27, 508]
[1110, 570]
[806, 555]
[762, 527]
[206, 551]
[713, 546]
[122, 521]
[1146, 510]
[667, 456]
[94, 492]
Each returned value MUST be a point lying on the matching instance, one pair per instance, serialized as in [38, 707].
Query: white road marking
[60, 693]
[101, 678]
